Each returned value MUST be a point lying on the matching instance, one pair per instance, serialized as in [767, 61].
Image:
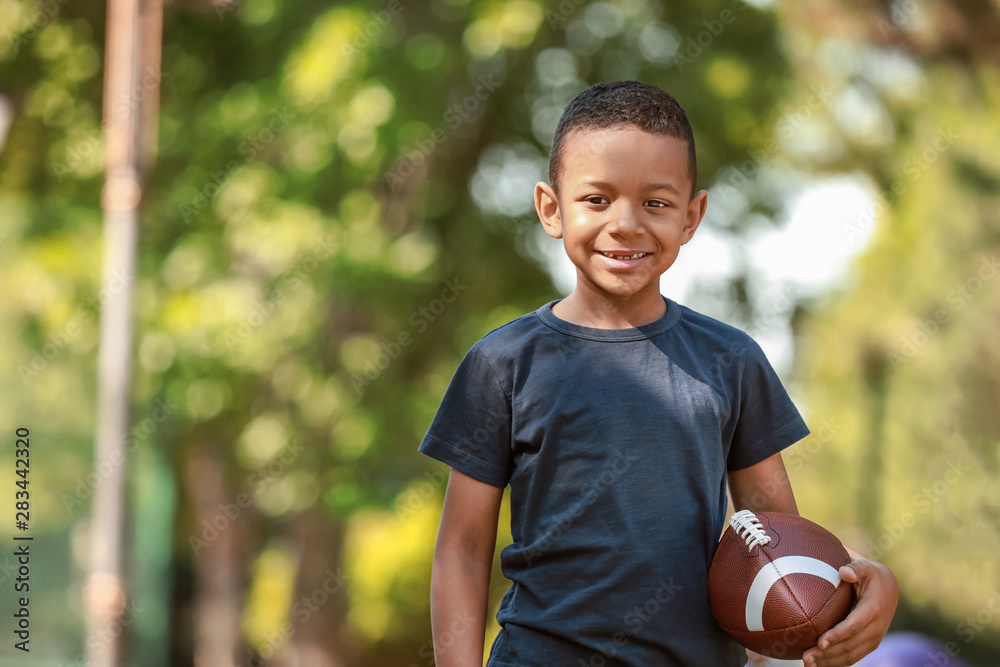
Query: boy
[616, 415]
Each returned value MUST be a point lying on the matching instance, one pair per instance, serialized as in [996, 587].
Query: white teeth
[635, 256]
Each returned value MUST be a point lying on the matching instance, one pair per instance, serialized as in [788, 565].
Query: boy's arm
[460, 576]
[764, 487]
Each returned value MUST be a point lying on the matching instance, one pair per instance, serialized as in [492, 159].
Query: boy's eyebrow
[652, 186]
[666, 186]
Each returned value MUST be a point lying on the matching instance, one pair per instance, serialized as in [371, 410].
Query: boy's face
[622, 191]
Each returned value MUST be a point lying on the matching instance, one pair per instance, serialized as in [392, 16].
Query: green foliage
[905, 361]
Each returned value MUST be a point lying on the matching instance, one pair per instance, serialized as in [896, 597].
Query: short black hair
[614, 103]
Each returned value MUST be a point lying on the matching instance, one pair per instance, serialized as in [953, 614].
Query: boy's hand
[861, 632]
[874, 585]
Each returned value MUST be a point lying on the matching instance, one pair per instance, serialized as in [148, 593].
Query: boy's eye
[599, 200]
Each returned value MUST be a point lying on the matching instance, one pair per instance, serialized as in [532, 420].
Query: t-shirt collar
[669, 319]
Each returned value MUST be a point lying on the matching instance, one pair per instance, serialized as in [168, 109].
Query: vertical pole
[130, 101]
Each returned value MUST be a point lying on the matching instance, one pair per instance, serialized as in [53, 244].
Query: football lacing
[747, 525]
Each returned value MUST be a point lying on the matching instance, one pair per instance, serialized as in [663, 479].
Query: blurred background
[340, 205]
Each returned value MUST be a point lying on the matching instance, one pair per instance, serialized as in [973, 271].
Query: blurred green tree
[902, 359]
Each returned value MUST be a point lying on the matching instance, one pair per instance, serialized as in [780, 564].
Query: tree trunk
[319, 608]
[218, 580]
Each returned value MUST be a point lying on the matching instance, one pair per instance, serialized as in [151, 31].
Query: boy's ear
[695, 212]
[547, 207]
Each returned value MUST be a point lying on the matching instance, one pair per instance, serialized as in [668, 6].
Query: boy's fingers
[845, 652]
[844, 632]
[866, 610]
[855, 645]
[859, 570]
[848, 573]
[861, 632]
[860, 618]
[851, 639]
[849, 633]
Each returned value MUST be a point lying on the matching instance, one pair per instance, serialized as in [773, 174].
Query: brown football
[774, 584]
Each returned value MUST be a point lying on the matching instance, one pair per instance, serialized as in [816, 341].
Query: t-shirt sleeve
[471, 430]
[768, 420]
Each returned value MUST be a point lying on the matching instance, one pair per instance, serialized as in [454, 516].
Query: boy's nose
[624, 222]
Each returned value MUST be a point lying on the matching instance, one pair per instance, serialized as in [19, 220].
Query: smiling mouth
[632, 256]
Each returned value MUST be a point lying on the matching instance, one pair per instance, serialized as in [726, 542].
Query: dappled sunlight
[389, 554]
[270, 597]
[262, 439]
[317, 67]
[502, 24]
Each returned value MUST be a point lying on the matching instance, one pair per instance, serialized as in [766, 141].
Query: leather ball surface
[774, 585]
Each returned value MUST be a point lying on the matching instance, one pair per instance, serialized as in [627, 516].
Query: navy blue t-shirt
[615, 444]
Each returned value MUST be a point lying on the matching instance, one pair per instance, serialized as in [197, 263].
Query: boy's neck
[601, 311]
